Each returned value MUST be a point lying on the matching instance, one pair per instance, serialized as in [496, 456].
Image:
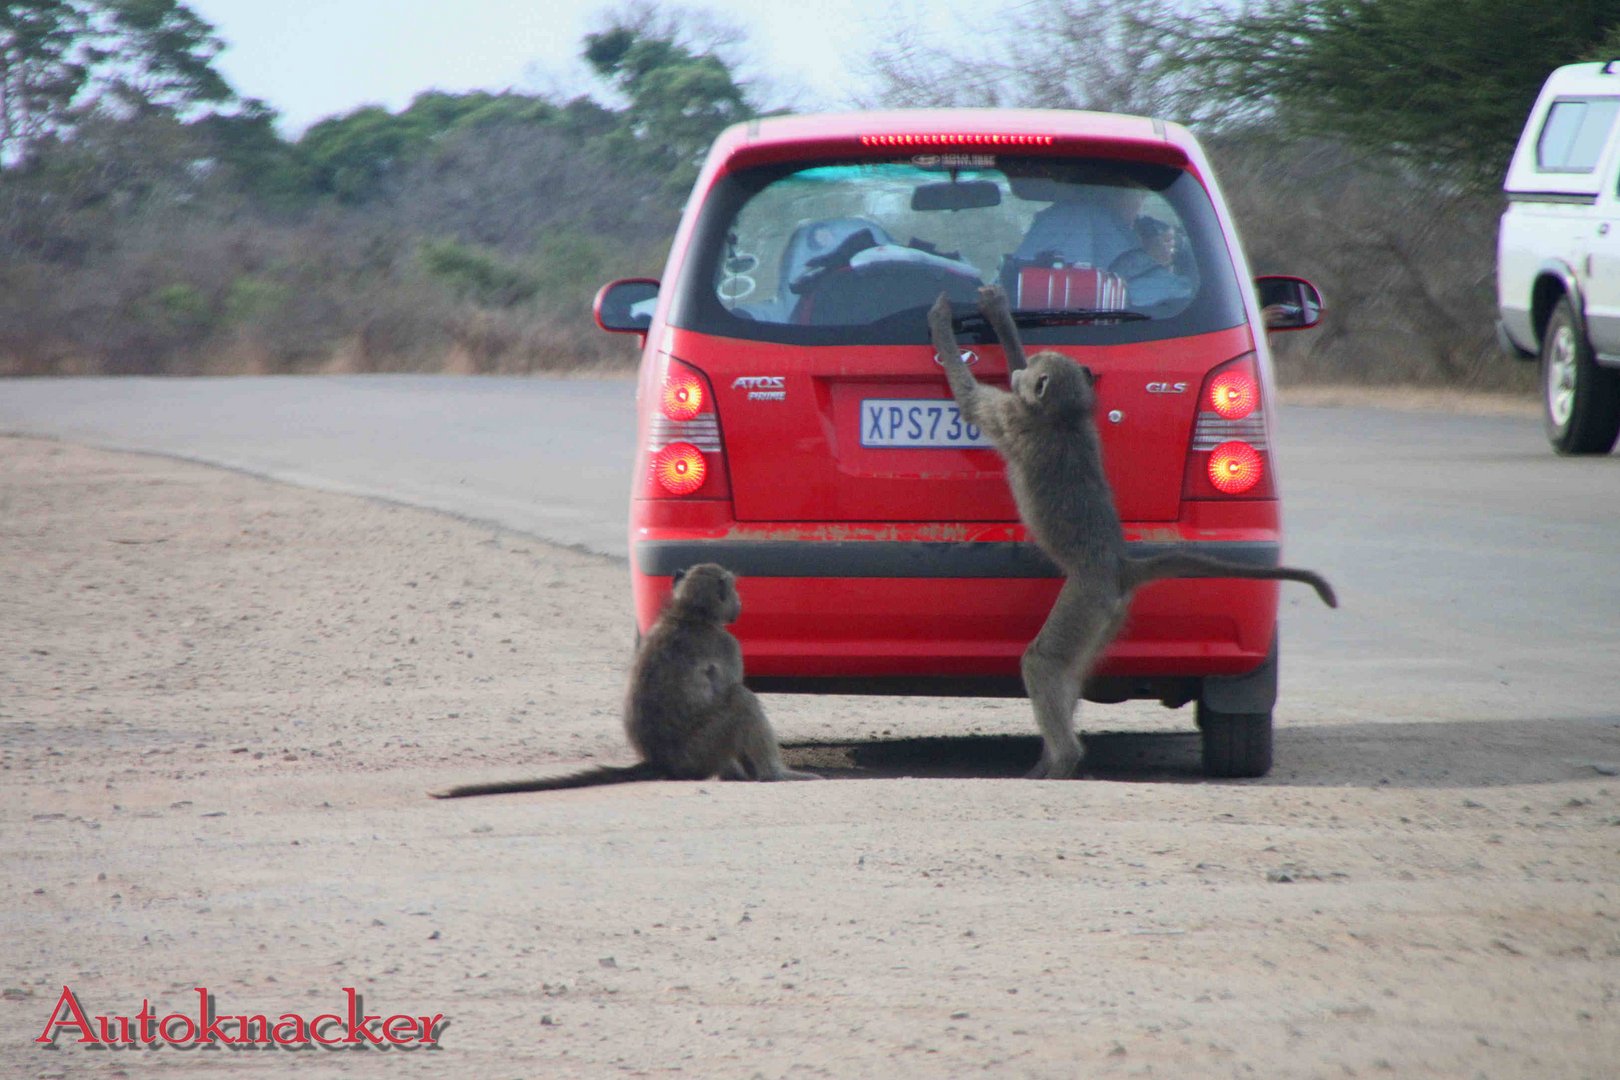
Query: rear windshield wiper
[1054, 317]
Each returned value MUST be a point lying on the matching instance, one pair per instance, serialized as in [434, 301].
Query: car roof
[1596, 77]
[780, 134]
[923, 121]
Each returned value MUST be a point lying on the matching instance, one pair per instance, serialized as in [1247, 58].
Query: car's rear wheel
[1580, 399]
[1235, 744]
[1234, 716]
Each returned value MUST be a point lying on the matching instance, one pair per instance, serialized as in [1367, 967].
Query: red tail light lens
[679, 468]
[682, 454]
[1233, 395]
[1227, 457]
[682, 397]
[1235, 467]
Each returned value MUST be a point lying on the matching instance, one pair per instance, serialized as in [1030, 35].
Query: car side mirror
[1288, 302]
[626, 306]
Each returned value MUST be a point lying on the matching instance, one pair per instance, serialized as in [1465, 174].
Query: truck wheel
[1580, 399]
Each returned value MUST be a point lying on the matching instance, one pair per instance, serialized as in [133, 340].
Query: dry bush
[1107, 55]
[208, 284]
[508, 186]
[1407, 268]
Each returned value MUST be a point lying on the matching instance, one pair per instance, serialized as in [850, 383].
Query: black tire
[1580, 400]
[1235, 744]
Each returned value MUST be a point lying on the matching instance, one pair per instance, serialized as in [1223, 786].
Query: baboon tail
[1177, 564]
[602, 774]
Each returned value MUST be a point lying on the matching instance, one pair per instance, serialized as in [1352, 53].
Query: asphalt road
[548, 457]
[1479, 575]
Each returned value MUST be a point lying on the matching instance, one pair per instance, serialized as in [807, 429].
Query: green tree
[478, 275]
[436, 112]
[247, 143]
[64, 60]
[349, 156]
[45, 62]
[166, 56]
[355, 157]
[1441, 84]
[681, 94]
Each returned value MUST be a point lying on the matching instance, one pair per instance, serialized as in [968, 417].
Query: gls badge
[1167, 388]
[762, 387]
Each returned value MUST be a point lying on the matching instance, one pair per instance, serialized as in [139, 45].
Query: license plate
[908, 423]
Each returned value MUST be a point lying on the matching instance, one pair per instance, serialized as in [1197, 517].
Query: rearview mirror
[626, 306]
[1288, 302]
[953, 195]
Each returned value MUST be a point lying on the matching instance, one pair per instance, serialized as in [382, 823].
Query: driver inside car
[1088, 225]
[1101, 225]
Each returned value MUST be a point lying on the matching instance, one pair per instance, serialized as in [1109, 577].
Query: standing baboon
[687, 711]
[1046, 432]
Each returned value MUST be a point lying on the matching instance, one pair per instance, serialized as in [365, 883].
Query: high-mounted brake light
[1229, 453]
[683, 451]
[960, 139]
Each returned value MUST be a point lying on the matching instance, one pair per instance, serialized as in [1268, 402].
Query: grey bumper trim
[899, 559]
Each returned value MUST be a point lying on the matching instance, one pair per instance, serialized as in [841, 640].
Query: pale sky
[315, 58]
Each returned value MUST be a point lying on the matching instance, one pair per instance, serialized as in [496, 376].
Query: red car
[796, 427]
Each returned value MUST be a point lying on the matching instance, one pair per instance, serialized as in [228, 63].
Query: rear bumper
[903, 559]
[946, 617]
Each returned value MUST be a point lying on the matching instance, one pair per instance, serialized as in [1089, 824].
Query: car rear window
[833, 252]
[1575, 132]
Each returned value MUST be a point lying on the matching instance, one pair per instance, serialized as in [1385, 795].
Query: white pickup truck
[1558, 255]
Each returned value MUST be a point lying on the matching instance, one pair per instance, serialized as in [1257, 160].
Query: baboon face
[1055, 384]
[709, 591]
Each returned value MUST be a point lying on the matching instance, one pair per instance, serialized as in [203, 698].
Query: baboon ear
[1040, 386]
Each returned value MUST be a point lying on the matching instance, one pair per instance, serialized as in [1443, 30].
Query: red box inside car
[1085, 287]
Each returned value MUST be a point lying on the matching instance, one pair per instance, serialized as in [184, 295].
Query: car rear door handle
[1603, 229]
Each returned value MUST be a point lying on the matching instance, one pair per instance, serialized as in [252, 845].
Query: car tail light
[1235, 467]
[679, 468]
[682, 397]
[683, 455]
[1233, 394]
[1230, 451]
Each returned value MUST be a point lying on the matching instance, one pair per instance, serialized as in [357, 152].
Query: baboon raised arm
[983, 405]
[1046, 431]
[686, 711]
[999, 315]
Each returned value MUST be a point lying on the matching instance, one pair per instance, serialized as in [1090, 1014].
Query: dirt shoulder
[221, 702]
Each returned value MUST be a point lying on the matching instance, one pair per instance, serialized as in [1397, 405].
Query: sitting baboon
[687, 711]
[1046, 432]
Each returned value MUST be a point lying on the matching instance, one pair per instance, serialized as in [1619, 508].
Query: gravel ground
[222, 701]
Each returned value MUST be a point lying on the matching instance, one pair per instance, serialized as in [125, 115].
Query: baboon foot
[1059, 767]
[786, 773]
